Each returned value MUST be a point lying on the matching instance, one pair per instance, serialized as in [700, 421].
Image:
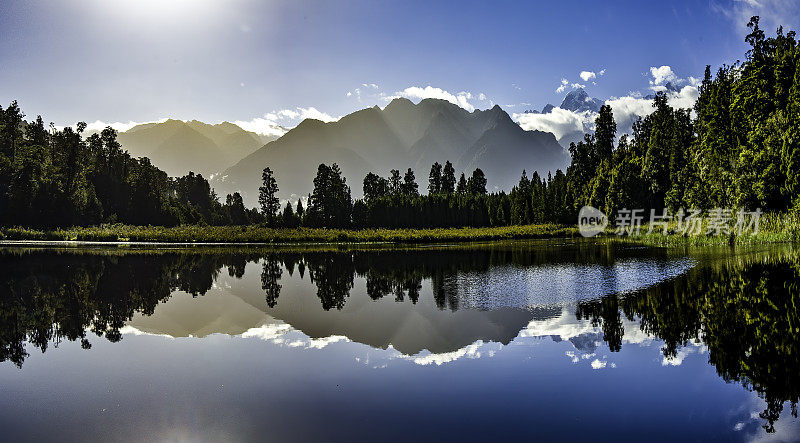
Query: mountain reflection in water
[428, 305]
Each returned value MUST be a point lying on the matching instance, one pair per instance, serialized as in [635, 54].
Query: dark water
[527, 340]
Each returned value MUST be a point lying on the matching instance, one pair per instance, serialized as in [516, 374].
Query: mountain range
[401, 135]
[178, 147]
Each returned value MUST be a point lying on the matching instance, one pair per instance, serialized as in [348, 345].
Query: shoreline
[190, 235]
[775, 231]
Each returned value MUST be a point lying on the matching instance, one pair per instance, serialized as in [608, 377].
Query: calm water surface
[528, 340]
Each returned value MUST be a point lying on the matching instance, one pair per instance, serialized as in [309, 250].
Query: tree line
[51, 177]
[738, 147]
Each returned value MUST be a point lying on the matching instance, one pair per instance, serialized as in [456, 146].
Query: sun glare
[162, 11]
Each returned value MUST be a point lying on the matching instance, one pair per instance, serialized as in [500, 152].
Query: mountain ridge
[178, 146]
[401, 135]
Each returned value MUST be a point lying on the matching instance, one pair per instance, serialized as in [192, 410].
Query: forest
[738, 147]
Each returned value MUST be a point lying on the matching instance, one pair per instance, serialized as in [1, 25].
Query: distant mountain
[669, 87]
[579, 101]
[546, 110]
[399, 136]
[178, 147]
[576, 101]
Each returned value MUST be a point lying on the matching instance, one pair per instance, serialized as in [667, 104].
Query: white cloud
[627, 109]
[559, 121]
[773, 13]
[366, 90]
[299, 114]
[130, 330]
[98, 125]
[662, 74]
[275, 123]
[261, 126]
[587, 75]
[268, 331]
[682, 353]
[461, 99]
[316, 343]
[598, 364]
[562, 86]
[472, 351]
[562, 122]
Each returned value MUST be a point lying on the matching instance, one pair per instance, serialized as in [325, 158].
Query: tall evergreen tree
[375, 187]
[288, 218]
[605, 132]
[476, 185]
[266, 196]
[435, 179]
[330, 204]
[462, 185]
[448, 178]
[409, 187]
[395, 182]
[300, 212]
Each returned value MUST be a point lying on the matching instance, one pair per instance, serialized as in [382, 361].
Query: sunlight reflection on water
[554, 285]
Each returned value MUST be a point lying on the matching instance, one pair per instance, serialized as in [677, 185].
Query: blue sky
[243, 60]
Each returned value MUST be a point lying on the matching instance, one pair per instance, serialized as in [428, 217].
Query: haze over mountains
[178, 147]
[401, 135]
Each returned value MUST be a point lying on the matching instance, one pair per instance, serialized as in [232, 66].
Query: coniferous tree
[299, 211]
[289, 220]
[435, 179]
[409, 187]
[266, 196]
[476, 185]
[330, 204]
[395, 182]
[375, 187]
[462, 185]
[448, 178]
[605, 132]
[235, 207]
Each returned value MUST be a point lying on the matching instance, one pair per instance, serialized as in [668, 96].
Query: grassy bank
[773, 228]
[259, 234]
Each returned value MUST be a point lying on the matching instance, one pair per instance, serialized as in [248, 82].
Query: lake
[546, 340]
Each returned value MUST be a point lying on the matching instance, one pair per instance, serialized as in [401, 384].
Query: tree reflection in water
[743, 308]
[746, 313]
